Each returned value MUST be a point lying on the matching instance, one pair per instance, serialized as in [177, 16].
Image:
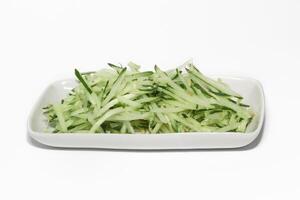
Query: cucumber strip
[134, 67]
[129, 127]
[58, 111]
[104, 117]
[156, 128]
[111, 104]
[116, 87]
[214, 84]
[129, 116]
[81, 79]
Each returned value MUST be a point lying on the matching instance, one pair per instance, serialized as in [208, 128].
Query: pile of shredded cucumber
[127, 100]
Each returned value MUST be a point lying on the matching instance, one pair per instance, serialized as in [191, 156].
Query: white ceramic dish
[250, 89]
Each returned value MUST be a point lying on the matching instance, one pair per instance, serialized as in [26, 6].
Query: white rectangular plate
[249, 88]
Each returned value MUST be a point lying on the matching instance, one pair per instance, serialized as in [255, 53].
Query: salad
[127, 100]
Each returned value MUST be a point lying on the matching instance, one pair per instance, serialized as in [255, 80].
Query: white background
[42, 41]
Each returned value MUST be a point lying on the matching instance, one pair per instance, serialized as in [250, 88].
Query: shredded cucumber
[121, 100]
